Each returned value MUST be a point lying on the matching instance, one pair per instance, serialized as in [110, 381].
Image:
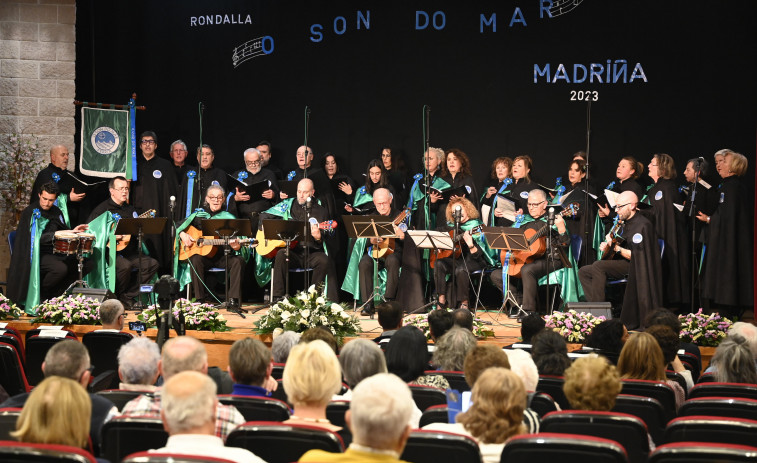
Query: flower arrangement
[19, 166]
[573, 326]
[197, 316]
[68, 310]
[704, 330]
[8, 309]
[420, 321]
[308, 309]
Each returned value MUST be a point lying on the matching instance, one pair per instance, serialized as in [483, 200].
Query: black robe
[322, 186]
[203, 180]
[458, 181]
[519, 193]
[181, 172]
[65, 184]
[644, 288]
[671, 228]
[727, 279]
[124, 210]
[583, 221]
[20, 267]
[399, 180]
[254, 205]
[156, 183]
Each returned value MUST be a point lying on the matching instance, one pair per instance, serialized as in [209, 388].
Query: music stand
[227, 229]
[508, 239]
[140, 227]
[287, 231]
[434, 240]
[370, 226]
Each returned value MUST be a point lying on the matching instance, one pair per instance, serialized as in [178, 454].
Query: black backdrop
[366, 86]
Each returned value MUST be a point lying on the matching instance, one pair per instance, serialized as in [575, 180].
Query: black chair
[8, 418]
[720, 406]
[37, 331]
[278, 371]
[456, 379]
[436, 446]
[103, 349]
[257, 408]
[14, 340]
[123, 436]
[12, 374]
[541, 403]
[698, 452]
[281, 443]
[654, 389]
[711, 429]
[119, 397]
[23, 452]
[714, 389]
[678, 378]
[280, 393]
[707, 378]
[335, 411]
[565, 448]
[647, 409]
[164, 457]
[627, 430]
[434, 414]
[552, 385]
[427, 396]
[692, 363]
[36, 350]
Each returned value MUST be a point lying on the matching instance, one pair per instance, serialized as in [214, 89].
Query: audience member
[138, 365]
[452, 348]
[463, 318]
[282, 344]
[480, 358]
[498, 401]
[378, 416]
[734, 361]
[523, 365]
[748, 332]
[641, 358]
[390, 320]
[592, 383]
[311, 377]
[670, 343]
[189, 417]
[112, 315]
[530, 325]
[70, 359]
[57, 411]
[407, 357]
[439, 321]
[550, 353]
[183, 354]
[250, 367]
[608, 338]
[664, 316]
[322, 333]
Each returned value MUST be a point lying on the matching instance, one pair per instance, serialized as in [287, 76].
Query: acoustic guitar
[609, 251]
[269, 248]
[386, 246]
[537, 244]
[207, 245]
[458, 251]
[124, 241]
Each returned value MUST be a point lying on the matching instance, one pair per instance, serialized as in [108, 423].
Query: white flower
[303, 297]
[320, 300]
[285, 315]
[322, 319]
[311, 289]
[305, 313]
[336, 308]
[277, 332]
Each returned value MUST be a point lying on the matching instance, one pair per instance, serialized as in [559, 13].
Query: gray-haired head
[360, 359]
[138, 361]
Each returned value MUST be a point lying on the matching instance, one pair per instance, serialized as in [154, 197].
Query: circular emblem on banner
[658, 195]
[722, 197]
[135, 215]
[157, 173]
[524, 194]
[105, 140]
[637, 238]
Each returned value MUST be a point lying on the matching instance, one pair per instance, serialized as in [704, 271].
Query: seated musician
[541, 265]
[200, 260]
[637, 256]
[361, 263]
[126, 285]
[36, 273]
[297, 209]
[475, 254]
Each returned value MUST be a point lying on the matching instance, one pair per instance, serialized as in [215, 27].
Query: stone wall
[37, 55]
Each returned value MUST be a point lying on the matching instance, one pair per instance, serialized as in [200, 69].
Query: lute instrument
[268, 248]
[124, 241]
[386, 246]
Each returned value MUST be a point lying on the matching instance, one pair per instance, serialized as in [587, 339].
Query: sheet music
[612, 198]
[248, 50]
[679, 207]
[507, 208]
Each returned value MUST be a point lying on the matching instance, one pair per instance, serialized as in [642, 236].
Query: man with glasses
[253, 173]
[636, 256]
[551, 260]
[212, 209]
[195, 184]
[126, 284]
[153, 188]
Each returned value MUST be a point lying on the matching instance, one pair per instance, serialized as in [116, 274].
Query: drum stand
[80, 283]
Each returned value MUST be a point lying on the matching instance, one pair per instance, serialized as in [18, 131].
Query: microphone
[458, 212]
[309, 203]
[172, 203]
[551, 215]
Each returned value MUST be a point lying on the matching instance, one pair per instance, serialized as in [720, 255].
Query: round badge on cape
[722, 197]
[135, 215]
[658, 195]
[524, 194]
[157, 173]
[215, 182]
[637, 238]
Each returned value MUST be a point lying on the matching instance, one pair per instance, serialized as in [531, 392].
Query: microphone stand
[171, 206]
[305, 170]
[550, 257]
[693, 219]
[586, 242]
[455, 236]
[199, 162]
[426, 199]
[308, 206]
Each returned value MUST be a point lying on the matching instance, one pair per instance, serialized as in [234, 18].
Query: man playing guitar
[359, 276]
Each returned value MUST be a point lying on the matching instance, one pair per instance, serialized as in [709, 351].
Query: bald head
[382, 199]
[626, 204]
[183, 354]
[59, 156]
[305, 190]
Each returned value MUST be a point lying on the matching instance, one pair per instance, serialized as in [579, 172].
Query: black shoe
[126, 303]
[367, 311]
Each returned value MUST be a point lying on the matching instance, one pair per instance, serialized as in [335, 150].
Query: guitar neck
[219, 242]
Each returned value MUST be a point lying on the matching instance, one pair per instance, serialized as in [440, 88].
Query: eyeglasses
[215, 198]
[621, 206]
[124, 189]
[536, 204]
[147, 142]
[252, 163]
